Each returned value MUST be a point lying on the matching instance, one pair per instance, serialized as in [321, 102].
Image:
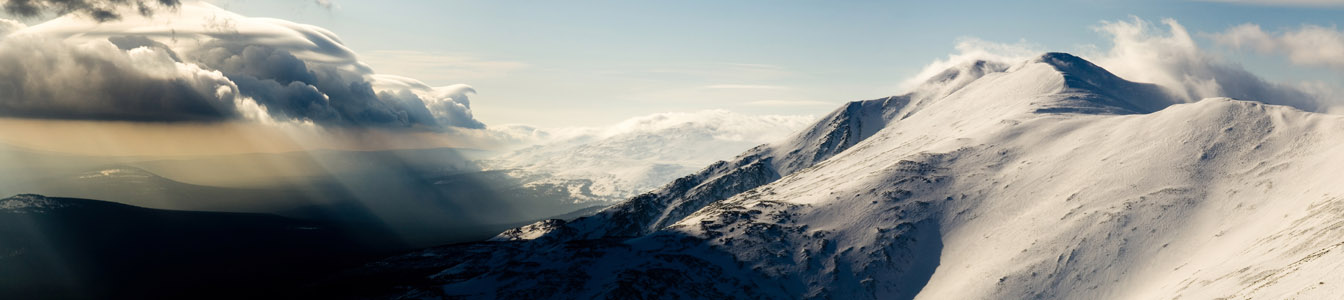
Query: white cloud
[1308, 45]
[715, 124]
[790, 103]
[193, 24]
[974, 49]
[640, 153]
[1169, 57]
[722, 124]
[746, 87]
[327, 4]
[8, 26]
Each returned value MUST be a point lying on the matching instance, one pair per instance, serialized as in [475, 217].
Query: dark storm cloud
[209, 64]
[97, 81]
[292, 89]
[100, 10]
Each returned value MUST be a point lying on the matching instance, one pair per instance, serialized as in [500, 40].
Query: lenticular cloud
[202, 63]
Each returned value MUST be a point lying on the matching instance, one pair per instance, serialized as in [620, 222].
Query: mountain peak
[1064, 60]
[1072, 65]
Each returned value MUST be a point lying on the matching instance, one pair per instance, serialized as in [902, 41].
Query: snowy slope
[1049, 178]
[834, 133]
[613, 163]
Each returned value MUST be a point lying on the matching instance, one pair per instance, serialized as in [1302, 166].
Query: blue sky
[557, 64]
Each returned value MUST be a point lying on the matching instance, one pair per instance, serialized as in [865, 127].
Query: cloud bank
[202, 63]
[100, 10]
[1309, 45]
[638, 154]
[1169, 57]
[98, 81]
[708, 125]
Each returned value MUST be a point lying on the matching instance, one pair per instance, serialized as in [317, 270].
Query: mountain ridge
[838, 131]
[1043, 180]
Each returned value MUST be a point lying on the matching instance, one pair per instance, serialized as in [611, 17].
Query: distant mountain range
[1047, 178]
[422, 197]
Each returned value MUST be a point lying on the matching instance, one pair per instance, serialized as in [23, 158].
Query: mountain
[67, 248]
[1050, 178]
[600, 166]
[139, 187]
[423, 197]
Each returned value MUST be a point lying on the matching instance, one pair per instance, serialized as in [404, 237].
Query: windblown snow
[1049, 178]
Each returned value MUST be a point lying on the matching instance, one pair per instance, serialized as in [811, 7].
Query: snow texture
[1049, 178]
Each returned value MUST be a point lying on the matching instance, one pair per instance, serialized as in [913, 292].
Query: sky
[553, 65]
[559, 63]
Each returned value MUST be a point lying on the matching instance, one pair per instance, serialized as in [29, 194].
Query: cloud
[96, 80]
[667, 137]
[1169, 57]
[1309, 45]
[1293, 3]
[327, 4]
[223, 66]
[720, 124]
[293, 89]
[99, 10]
[8, 26]
[746, 87]
[790, 103]
[970, 50]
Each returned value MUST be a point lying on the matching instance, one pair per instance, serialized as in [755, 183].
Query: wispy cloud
[1308, 45]
[327, 4]
[972, 49]
[789, 103]
[1298, 3]
[746, 87]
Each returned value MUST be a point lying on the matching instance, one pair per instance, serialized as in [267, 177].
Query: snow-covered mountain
[608, 164]
[1049, 178]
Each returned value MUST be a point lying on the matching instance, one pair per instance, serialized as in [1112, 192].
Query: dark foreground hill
[66, 248]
